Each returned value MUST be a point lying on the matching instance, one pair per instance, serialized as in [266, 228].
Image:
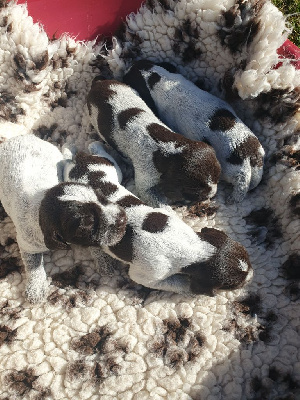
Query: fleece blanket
[107, 338]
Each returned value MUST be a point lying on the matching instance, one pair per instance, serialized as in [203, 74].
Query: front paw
[36, 291]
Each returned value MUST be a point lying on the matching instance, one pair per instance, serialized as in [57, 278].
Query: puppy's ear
[53, 240]
[49, 220]
[213, 236]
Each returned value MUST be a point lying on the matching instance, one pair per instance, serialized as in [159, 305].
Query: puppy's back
[28, 167]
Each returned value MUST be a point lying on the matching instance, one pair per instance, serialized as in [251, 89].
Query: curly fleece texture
[106, 338]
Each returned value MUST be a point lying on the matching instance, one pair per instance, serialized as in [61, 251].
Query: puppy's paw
[36, 291]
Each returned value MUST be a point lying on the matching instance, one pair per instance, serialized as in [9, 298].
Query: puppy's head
[228, 269]
[189, 171]
[73, 213]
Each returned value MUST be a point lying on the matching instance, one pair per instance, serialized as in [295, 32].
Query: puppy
[198, 115]
[168, 168]
[49, 214]
[162, 251]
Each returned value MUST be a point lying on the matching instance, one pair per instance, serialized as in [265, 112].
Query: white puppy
[168, 167]
[48, 214]
[199, 115]
[163, 252]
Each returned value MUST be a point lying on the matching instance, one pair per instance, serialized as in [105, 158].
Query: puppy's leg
[177, 283]
[241, 185]
[106, 264]
[36, 286]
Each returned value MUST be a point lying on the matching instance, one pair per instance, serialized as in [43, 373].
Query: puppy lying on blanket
[199, 115]
[163, 252]
[48, 214]
[168, 167]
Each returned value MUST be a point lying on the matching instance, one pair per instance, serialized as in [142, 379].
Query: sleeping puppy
[199, 115]
[162, 251]
[48, 214]
[168, 167]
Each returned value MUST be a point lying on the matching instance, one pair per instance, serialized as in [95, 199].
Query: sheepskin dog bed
[105, 338]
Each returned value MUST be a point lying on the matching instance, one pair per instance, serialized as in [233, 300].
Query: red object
[290, 50]
[83, 19]
[88, 19]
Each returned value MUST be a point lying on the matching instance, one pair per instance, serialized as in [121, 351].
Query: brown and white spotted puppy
[162, 251]
[168, 167]
[199, 115]
[48, 213]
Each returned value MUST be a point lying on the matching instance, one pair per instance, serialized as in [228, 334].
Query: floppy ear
[49, 222]
[53, 240]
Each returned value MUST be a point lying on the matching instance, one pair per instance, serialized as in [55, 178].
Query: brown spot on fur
[7, 335]
[135, 79]
[124, 248]
[267, 228]
[108, 188]
[161, 134]
[295, 204]
[247, 149]
[155, 222]
[129, 201]
[128, 115]
[3, 213]
[153, 79]
[223, 270]
[222, 120]
[99, 96]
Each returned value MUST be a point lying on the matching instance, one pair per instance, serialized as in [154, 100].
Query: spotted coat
[198, 115]
[168, 167]
[162, 251]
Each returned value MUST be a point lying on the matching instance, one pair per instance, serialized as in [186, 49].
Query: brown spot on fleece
[222, 120]
[292, 267]
[179, 344]
[248, 148]
[68, 278]
[128, 115]
[7, 335]
[124, 248]
[267, 228]
[155, 222]
[295, 204]
[240, 24]
[94, 342]
[9, 265]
